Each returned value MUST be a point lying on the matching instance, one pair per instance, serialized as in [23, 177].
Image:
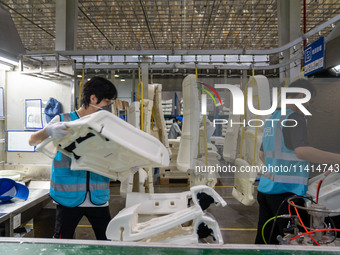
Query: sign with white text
[314, 56]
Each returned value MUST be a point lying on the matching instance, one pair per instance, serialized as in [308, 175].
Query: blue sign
[314, 56]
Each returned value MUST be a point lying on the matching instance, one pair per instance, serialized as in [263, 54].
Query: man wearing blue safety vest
[287, 149]
[79, 193]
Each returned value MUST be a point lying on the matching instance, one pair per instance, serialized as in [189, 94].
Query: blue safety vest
[69, 187]
[284, 171]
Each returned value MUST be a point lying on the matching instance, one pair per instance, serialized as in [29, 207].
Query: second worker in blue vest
[79, 193]
[287, 156]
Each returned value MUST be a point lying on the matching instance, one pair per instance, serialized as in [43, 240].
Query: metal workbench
[17, 211]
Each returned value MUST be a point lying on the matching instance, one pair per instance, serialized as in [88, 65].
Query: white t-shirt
[87, 202]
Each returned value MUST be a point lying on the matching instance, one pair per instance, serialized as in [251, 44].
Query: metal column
[66, 25]
[289, 12]
[145, 75]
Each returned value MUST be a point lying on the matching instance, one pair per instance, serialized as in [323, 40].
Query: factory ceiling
[164, 24]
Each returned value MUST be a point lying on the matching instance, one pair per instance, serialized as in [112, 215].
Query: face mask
[106, 107]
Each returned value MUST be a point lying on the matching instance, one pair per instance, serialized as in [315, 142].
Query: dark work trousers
[268, 206]
[67, 219]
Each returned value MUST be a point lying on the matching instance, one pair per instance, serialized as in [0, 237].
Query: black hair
[301, 83]
[100, 87]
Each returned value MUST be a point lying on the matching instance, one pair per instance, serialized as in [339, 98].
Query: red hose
[314, 231]
[317, 191]
[303, 225]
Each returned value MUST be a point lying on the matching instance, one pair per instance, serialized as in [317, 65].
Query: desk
[18, 211]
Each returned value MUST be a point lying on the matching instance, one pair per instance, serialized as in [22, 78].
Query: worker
[175, 129]
[286, 147]
[79, 193]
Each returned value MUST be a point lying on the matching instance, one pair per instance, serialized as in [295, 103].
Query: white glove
[57, 130]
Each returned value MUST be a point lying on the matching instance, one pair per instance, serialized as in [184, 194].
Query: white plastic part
[248, 146]
[202, 188]
[151, 91]
[149, 188]
[243, 189]
[217, 140]
[125, 226]
[12, 174]
[147, 112]
[261, 95]
[329, 194]
[188, 235]
[160, 203]
[126, 185]
[202, 175]
[212, 224]
[115, 147]
[188, 147]
[134, 114]
[231, 142]
[159, 115]
[210, 129]
[48, 148]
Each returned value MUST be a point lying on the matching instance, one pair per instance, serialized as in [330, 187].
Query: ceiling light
[336, 69]
[122, 79]
[4, 67]
[117, 75]
[9, 61]
[79, 76]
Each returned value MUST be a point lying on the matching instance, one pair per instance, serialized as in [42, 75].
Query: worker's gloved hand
[57, 130]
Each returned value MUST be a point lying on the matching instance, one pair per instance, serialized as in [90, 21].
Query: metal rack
[48, 66]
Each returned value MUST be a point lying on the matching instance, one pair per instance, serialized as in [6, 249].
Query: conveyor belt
[29, 246]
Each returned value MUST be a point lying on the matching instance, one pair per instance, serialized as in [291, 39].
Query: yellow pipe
[80, 84]
[205, 140]
[255, 141]
[244, 118]
[199, 96]
[140, 85]
[152, 118]
[243, 128]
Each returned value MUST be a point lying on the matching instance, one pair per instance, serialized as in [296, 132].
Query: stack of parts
[188, 149]
[225, 112]
[168, 124]
[134, 114]
[250, 142]
[147, 113]
[224, 130]
[112, 153]
[171, 173]
[167, 107]
[126, 185]
[169, 218]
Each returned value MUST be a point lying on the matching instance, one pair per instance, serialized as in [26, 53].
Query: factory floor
[237, 222]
